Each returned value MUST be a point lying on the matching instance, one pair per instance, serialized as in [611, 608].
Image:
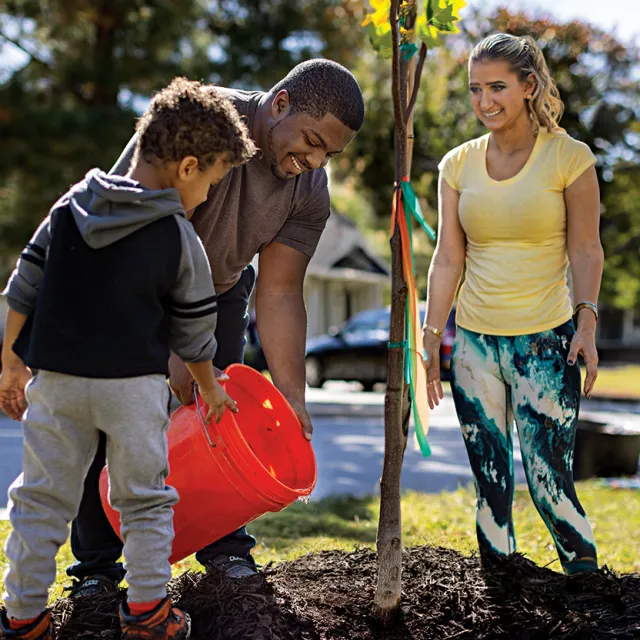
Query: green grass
[445, 519]
[618, 382]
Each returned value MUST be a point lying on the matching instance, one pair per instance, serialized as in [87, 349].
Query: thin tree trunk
[396, 406]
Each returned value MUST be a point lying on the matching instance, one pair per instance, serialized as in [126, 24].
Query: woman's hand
[584, 342]
[434, 386]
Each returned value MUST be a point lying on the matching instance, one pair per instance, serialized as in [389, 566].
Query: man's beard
[273, 161]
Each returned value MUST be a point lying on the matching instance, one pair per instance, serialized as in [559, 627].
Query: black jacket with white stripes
[111, 283]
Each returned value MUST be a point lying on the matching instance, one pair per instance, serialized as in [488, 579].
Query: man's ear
[281, 104]
[187, 168]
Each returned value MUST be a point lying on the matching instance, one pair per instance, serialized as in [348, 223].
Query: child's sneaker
[165, 622]
[40, 629]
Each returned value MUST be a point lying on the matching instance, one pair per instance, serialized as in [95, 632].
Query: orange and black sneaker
[165, 622]
[40, 629]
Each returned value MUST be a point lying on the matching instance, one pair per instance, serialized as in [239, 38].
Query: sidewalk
[353, 403]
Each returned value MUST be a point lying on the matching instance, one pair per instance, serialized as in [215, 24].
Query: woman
[516, 207]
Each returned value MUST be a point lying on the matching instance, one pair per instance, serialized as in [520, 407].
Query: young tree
[395, 27]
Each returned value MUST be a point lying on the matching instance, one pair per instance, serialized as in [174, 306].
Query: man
[277, 206]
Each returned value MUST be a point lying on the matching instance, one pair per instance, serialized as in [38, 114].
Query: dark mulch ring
[328, 595]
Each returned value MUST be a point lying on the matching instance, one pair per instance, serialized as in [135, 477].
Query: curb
[344, 410]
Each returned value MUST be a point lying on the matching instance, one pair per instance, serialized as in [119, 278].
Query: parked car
[358, 351]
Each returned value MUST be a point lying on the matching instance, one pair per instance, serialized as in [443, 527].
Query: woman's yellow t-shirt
[516, 229]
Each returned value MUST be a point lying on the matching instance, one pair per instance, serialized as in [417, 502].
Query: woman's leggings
[494, 380]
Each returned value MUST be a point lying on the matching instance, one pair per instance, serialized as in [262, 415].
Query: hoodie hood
[107, 208]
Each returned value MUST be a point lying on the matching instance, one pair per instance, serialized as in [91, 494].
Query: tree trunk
[107, 22]
[397, 404]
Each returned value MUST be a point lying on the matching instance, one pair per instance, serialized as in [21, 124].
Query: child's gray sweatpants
[61, 427]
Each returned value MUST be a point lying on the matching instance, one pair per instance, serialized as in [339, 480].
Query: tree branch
[31, 55]
[397, 95]
[416, 82]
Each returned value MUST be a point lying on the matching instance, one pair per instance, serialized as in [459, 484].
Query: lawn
[445, 519]
[620, 382]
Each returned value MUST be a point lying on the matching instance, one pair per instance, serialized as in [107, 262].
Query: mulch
[328, 596]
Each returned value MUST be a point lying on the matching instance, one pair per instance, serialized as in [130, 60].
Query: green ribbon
[413, 204]
[399, 345]
[408, 49]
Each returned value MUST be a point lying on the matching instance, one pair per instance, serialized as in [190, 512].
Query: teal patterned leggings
[494, 380]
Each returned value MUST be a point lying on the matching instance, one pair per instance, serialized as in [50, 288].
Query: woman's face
[497, 95]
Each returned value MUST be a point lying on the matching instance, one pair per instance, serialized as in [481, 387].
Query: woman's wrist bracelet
[436, 332]
[585, 304]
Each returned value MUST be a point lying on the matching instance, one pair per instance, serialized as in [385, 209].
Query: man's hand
[301, 411]
[13, 380]
[181, 381]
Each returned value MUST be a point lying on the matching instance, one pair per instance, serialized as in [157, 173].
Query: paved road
[349, 445]
[349, 450]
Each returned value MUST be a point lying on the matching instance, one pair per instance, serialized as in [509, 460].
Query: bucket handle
[202, 421]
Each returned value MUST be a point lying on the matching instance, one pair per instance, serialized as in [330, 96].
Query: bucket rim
[247, 451]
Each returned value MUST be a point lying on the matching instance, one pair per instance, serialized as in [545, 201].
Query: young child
[113, 279]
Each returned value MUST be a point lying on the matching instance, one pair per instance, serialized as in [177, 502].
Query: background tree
[87, 68]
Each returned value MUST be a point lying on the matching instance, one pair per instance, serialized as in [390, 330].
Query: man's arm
[282, 322]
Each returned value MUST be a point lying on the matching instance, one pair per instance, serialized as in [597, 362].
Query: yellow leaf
[380, 19]
[380, 15]
[457, 6]
[443, 14]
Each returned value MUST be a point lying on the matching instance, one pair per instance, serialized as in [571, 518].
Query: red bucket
[230, 473]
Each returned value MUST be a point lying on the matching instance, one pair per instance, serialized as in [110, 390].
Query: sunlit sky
[621, 17]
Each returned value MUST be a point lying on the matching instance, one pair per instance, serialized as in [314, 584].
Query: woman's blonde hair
[525, 58]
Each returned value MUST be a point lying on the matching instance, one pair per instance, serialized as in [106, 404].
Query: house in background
[343, 277]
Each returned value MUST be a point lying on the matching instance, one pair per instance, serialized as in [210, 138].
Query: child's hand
[13, 380]
[218, 401]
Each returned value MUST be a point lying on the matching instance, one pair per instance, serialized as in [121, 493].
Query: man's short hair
[320, 86]
[189, 118]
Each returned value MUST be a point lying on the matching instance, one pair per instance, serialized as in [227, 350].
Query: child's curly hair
[189, 118]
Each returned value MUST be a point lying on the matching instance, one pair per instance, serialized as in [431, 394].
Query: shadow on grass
[341, 517]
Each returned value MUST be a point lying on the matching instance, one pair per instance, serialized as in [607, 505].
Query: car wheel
[314, 372]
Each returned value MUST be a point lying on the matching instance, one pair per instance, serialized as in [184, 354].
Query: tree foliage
[598, 81]
[88, 66]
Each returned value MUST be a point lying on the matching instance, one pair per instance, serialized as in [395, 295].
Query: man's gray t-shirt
[251, 208]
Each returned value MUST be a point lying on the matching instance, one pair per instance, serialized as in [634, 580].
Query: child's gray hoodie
[112, 252]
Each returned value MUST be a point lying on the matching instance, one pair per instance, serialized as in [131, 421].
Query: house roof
[342, 246]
